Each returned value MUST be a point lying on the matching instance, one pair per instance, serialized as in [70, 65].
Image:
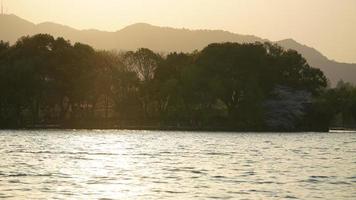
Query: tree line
[48, 81]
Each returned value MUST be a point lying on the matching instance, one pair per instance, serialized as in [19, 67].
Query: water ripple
[110, 165]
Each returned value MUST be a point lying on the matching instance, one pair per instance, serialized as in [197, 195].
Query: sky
[327, 25]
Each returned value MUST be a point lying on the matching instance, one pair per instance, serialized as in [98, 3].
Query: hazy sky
[327, 25]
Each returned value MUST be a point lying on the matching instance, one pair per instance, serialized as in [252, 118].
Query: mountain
[170, 39]
[335, 71]
[165, 39]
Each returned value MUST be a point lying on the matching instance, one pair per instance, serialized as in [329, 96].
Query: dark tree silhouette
[48, 81]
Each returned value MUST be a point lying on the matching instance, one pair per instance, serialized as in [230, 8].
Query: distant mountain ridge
[165, 39]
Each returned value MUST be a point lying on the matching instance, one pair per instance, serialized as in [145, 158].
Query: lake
[114, 164]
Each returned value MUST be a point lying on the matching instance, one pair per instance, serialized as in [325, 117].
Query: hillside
[164, 39]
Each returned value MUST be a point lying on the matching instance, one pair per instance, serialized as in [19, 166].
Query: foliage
[46, 80]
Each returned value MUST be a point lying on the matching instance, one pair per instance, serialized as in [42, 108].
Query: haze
[327, 25]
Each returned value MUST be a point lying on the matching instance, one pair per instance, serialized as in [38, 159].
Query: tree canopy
[255, 86]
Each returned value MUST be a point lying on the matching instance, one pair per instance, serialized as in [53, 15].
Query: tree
[168, 85]
[47, 80]
[286, 110]
[144, 62]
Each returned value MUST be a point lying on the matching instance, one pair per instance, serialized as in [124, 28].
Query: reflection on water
[176, 165]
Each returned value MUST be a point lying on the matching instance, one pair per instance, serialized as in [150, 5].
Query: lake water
[176, 165]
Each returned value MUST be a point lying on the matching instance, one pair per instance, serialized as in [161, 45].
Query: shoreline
[175, 128]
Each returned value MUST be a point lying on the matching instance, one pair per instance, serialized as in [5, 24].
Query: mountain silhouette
[165, 39]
